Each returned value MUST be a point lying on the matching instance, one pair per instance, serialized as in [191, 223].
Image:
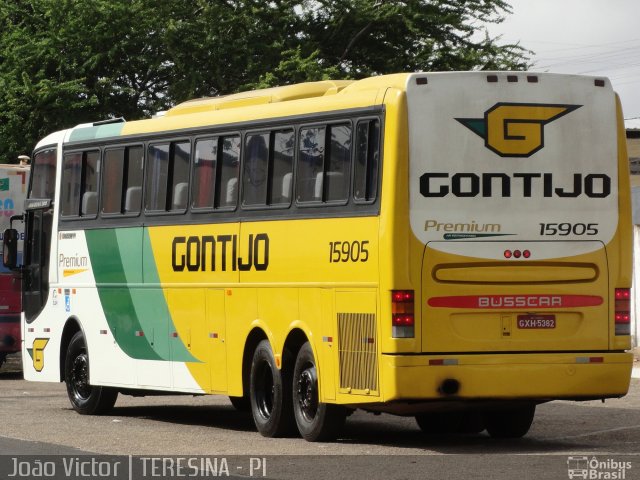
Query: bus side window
[338, 170]
[132, 184]
[179, 175]
[168, 177]
[71, 184]
[256, 169]
[122, 180]
[204, 173]
[157, 176]
[310, 163]
[80, 184]
[282, 171]
[268, 168]
[112, 180]
[367, 161]
[227, 171]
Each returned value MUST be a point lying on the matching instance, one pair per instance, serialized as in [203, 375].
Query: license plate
[536, 321]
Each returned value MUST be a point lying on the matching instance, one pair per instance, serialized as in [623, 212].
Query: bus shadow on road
[10, 375]
[224, 417]
[559, 427]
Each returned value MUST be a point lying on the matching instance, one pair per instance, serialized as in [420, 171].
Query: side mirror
[10, 248]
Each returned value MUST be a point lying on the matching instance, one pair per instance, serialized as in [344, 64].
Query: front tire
[270, 394]
[316, 421]
[85, 398]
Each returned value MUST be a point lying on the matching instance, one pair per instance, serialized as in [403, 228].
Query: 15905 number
[356, 251]
[564, 229]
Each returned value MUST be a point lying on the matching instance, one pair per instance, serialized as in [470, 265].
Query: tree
[64, 62]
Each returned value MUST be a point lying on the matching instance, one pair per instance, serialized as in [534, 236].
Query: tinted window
[112, 181]
[228, 167]
[134, 162]
[310, 164]
[122, 180]
[168, 177]
[324, 163]
[43, 174]
[282, 176]
[179, 170]
[71, 184]
[204, 173]
[79, 191]
[338, 165]
[157, 177]
[256, 169]
[367, 160]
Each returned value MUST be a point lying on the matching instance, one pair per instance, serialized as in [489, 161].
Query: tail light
[623, 311]
[402, 319]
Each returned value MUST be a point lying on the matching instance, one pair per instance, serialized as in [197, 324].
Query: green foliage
[64, 62]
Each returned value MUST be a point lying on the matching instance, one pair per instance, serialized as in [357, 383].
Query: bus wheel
[270, 394]
[511, 422]
[316, 421]
[85, 399]
[241, 404]
[437, 423]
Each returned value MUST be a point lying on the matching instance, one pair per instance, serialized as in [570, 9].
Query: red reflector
[507, 254]
[517, 253]
[402, 296]
[526, 254]
[402, 320]
[596, 359]
[623, 293]
[622, 315]
[438, 361]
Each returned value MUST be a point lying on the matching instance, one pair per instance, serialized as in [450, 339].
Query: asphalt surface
[36, 418]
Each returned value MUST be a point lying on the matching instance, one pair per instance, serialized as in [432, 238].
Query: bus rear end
[520, 222]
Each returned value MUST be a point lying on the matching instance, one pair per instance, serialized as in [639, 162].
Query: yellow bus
[450, 246]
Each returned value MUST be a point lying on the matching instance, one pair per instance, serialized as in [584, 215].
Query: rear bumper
[539, 377]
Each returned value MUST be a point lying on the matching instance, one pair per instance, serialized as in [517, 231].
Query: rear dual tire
[282, 400]
[316, 421]
[513, 422]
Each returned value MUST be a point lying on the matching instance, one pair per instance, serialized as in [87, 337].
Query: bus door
[38, 223]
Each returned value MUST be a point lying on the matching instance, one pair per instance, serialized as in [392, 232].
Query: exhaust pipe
[449, 387]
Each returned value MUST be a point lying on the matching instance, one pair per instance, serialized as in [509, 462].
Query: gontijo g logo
[516, 129]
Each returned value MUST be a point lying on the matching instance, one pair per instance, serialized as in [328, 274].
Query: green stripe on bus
[115, 297]
[155, 307]
[138, 315]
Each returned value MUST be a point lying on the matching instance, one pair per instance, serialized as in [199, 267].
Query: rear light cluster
[623, 311]
[517, 254]
[402, 319]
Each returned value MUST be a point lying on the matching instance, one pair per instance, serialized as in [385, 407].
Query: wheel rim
[307, 393]
[80, 378]
[265, 390]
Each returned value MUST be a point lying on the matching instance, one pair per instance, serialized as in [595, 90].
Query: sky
[592, 37]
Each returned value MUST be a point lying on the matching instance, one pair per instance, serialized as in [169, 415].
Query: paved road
[372, 446]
